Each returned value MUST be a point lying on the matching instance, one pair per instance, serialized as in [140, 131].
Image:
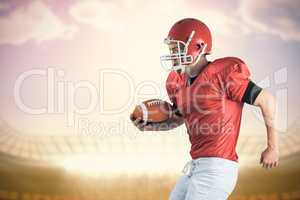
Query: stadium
[36, 168]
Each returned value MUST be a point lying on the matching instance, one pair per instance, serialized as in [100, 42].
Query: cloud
[114, 15]
[33, 22]
[277, 17]
[104, 15]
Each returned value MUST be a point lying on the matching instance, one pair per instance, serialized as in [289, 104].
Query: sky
[63, 63]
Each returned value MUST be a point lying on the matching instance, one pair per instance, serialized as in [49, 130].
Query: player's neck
[196, 70]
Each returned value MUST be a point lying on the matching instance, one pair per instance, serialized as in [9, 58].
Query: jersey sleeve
[171, 87]
[237, 80]
[251, 93]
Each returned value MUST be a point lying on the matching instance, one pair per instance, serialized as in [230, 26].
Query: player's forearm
[272, 138]
[267, 104]
[170, 124]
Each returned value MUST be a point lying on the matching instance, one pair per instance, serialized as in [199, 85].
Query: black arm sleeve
[251, 93]
[175, 110]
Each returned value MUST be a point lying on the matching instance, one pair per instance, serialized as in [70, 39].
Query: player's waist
[210, 164]
[214, 162]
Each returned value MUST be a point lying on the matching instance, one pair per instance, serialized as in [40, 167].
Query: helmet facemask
[178, 58]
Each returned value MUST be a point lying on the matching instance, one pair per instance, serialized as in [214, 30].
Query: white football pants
[208, 178]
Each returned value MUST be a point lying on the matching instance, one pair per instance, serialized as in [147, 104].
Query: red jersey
[212, 106]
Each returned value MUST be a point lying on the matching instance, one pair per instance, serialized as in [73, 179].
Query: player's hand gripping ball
[153, 110]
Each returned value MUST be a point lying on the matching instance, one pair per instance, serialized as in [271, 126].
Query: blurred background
[72, 71]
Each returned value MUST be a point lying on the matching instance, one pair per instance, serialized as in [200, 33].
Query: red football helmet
[188, 39]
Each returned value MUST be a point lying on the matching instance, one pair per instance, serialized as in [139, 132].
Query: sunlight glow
[95, 166]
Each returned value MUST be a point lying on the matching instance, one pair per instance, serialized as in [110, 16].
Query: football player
[208, 97]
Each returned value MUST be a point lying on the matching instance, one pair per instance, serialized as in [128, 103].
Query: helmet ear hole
[200, 45]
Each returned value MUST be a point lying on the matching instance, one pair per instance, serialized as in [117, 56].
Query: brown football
[153, 110]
